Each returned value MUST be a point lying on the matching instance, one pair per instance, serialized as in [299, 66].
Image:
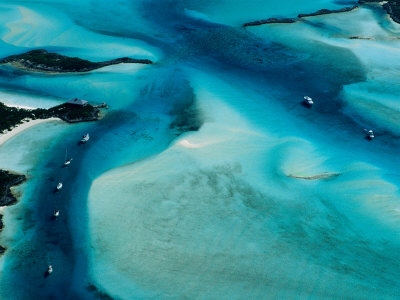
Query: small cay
[43, 61]
[300, 16]
[315, 177]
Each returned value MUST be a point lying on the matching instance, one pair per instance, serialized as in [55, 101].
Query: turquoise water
[189, 187]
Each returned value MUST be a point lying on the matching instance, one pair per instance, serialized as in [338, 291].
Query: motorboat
[56, 213]
[85, 138]
[308, 100]
[370, 134]
[49, 269]
[59, 186]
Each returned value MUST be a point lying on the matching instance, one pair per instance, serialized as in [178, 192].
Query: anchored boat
[85, 138]
[370, 134]
[309, 101]
[67, 161]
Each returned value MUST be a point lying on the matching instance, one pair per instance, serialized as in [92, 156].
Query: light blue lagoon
[206, 178]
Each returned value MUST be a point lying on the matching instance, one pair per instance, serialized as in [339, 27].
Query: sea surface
[206, 178]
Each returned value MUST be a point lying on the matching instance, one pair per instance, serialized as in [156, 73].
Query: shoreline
[7, 196]
[21, 106]
[391, 7]
[4, 137]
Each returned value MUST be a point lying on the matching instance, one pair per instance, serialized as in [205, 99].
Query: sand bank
[19, 128]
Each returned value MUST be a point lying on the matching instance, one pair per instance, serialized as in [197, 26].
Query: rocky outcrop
[43, 61]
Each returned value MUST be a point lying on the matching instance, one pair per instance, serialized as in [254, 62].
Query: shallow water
[190, 186]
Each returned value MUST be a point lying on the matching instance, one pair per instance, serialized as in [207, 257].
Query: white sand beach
[20, 106]
[19, 128]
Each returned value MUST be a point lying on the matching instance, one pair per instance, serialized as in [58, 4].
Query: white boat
[59, 186]
[370, 134]
[56, 213]
[85, 138]
[67, 161]
[49, 269]
[308, 100]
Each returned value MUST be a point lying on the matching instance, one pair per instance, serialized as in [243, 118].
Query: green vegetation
[43, 61]
[7, 180]
[12, 116]
[391, 6]
[53, 60]
[71, 113]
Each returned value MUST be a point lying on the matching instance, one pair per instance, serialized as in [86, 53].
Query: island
[360, 38]
[44, 61]
[68, 112]
[328, 11]
[300, 16]
[270, 21]
[315, 177]
[7, 181]
[392, 7]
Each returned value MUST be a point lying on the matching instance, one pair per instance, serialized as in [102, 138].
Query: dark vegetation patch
[99, 294]
[12, 116]
[293, 20]
[41, 60]
[8, 180]
[187, 116]
[391, 6]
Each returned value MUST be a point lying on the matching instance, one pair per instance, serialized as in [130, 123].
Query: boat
[49, 269]
[67, 161]
[56, 213]
[308, 100]
[370, 134]
[59, 186]
[85, 138]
